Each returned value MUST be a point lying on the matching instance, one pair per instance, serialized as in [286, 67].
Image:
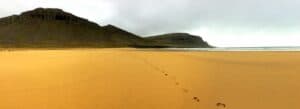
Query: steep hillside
[49, 27]
[56, 28]
[179, 40]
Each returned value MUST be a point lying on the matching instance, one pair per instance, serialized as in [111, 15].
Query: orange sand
[134, 79]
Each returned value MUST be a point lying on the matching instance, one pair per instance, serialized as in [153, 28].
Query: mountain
[49, 27]
[179, 40]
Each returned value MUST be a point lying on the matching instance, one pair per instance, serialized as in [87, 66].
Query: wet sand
[138, 79]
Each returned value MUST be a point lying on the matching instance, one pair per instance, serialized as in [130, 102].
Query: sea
[237, 49]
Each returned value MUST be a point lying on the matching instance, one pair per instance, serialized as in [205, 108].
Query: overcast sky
[224, 23]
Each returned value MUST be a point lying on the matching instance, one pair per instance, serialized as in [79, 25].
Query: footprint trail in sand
[164, 72]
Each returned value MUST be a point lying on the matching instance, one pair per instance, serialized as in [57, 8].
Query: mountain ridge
[52, 27]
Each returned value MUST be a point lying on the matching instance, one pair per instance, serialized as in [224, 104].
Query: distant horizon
[232, 24]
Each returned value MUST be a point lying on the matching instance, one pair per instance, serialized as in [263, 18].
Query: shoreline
[256, 49]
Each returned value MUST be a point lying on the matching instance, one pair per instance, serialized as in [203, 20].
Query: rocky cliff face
[179, 40]
[48, 27]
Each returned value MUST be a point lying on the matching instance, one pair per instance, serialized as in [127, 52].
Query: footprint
[166, 74]
[196, 99]
[222, 105]
[185, 90]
